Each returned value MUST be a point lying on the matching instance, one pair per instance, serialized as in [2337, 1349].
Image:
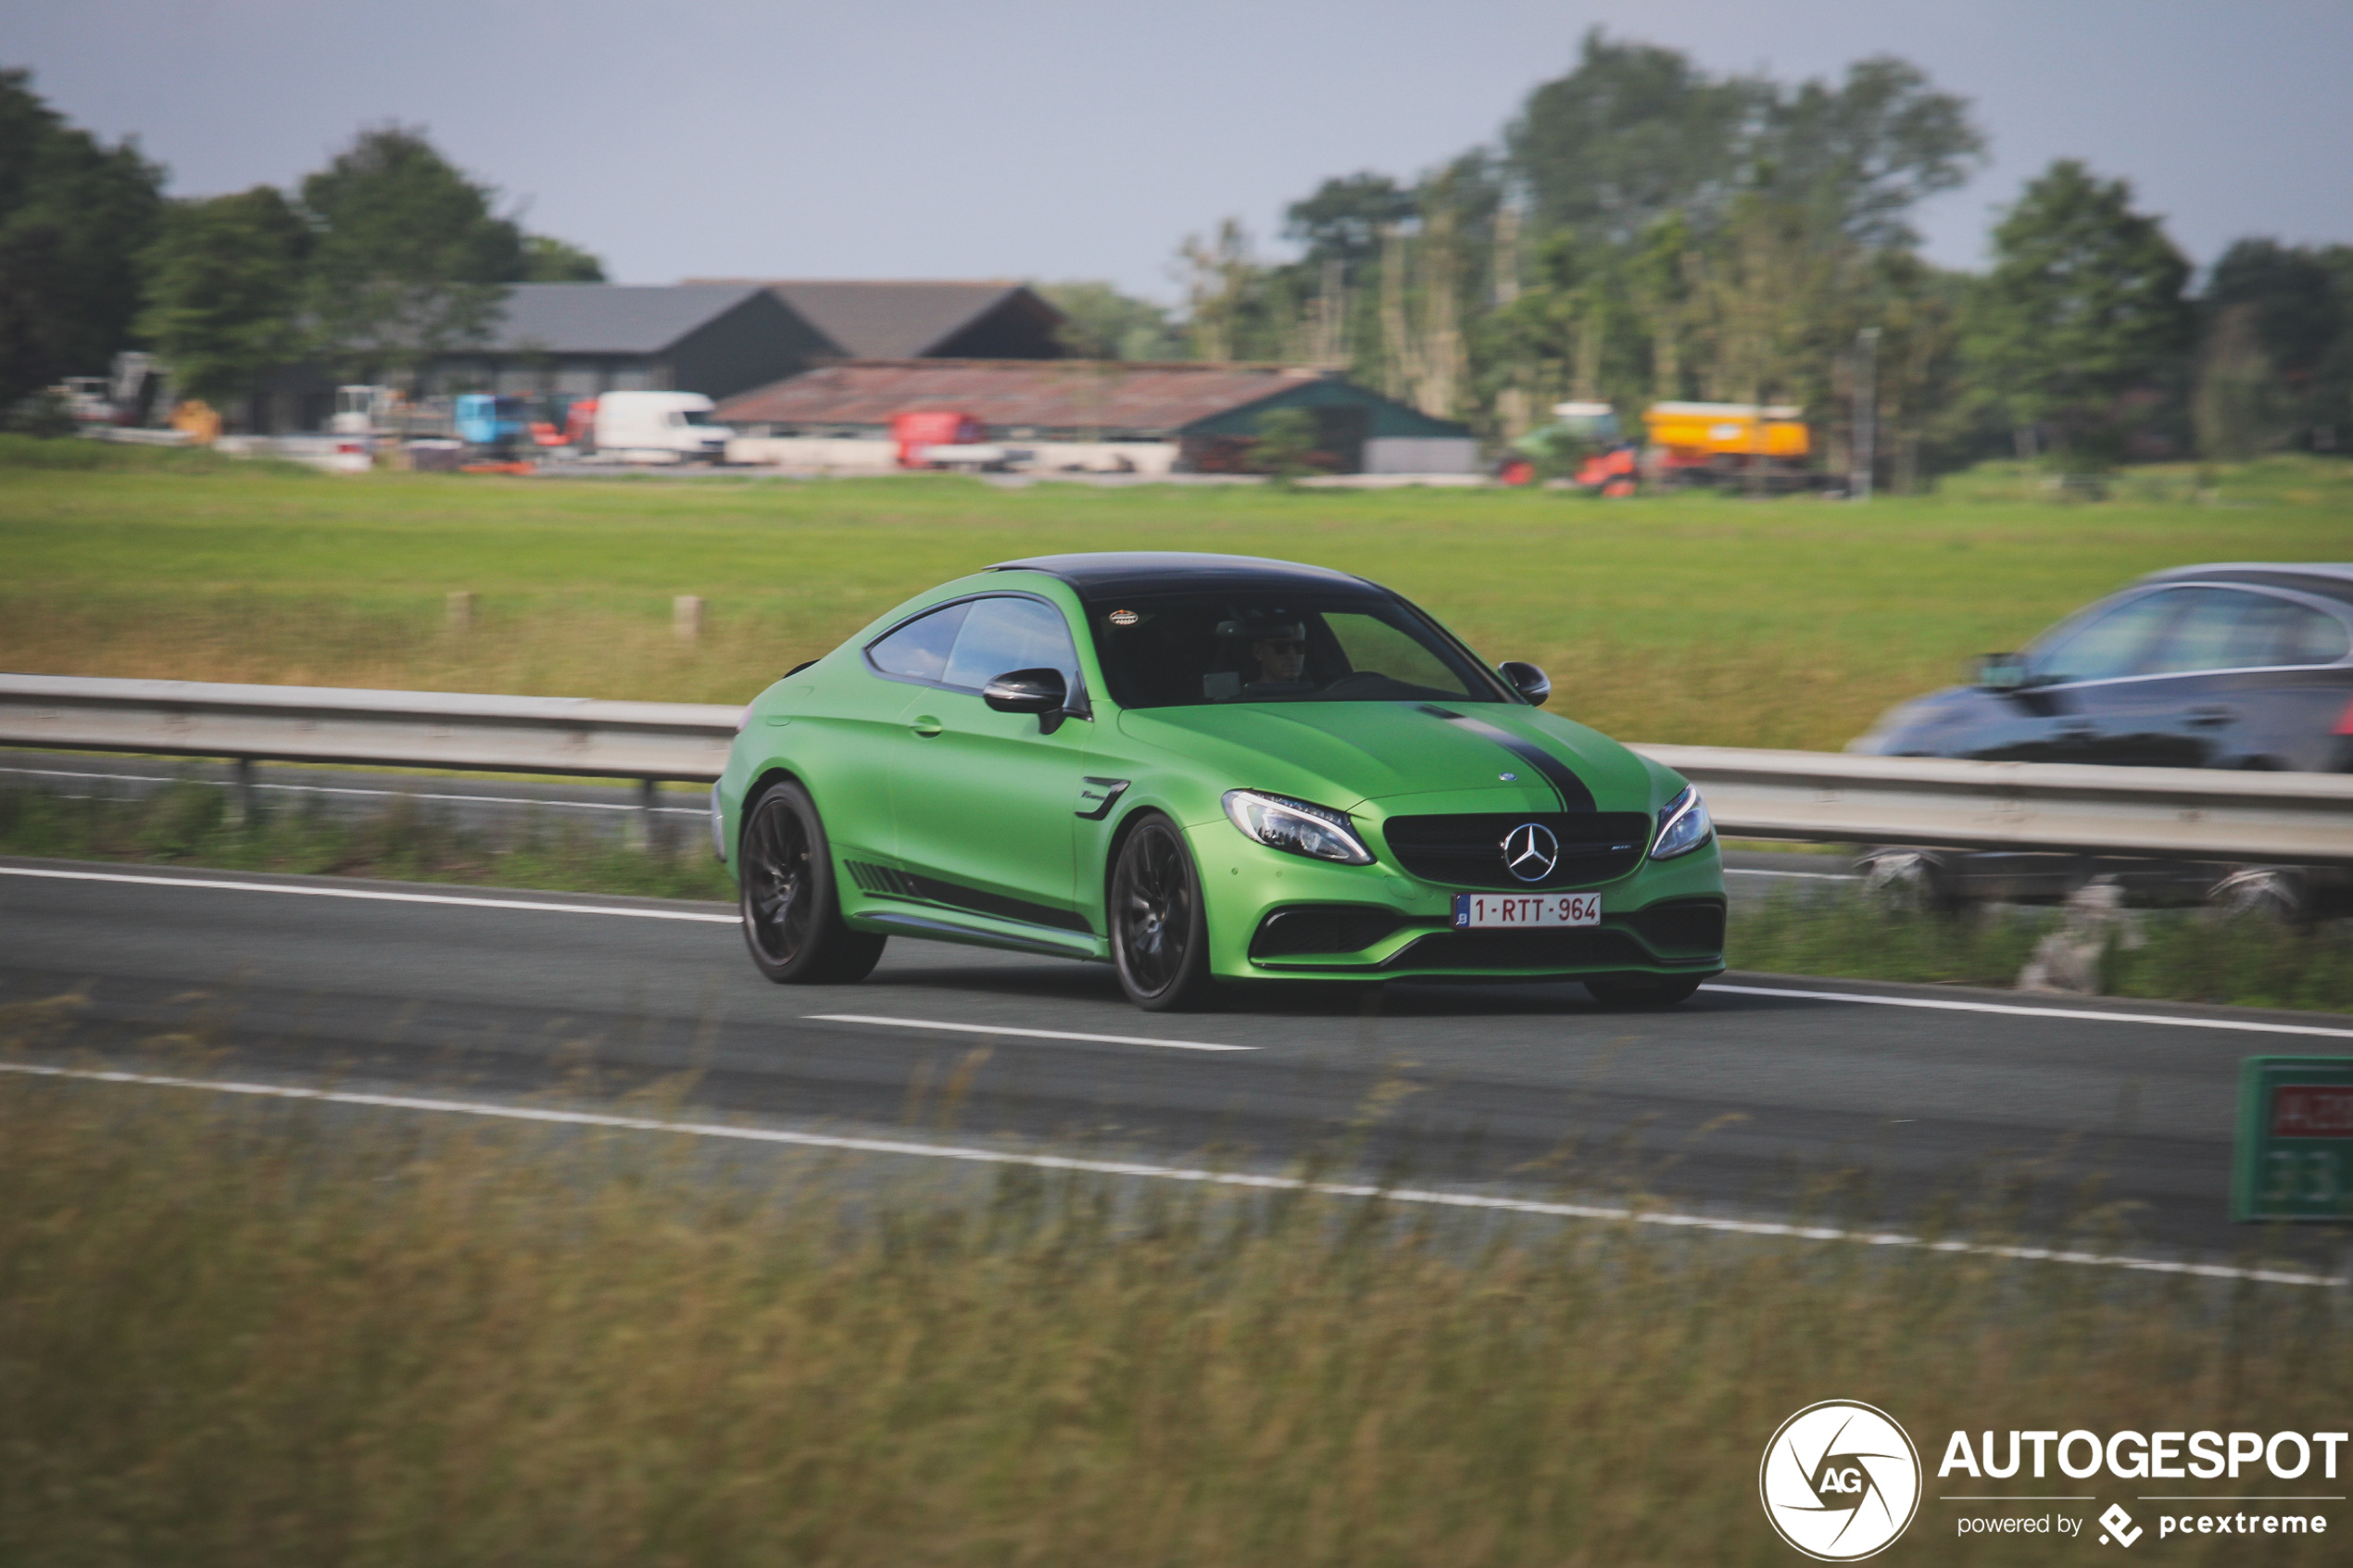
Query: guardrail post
[644, 832]
[686, 617]
[462, 610]
[241, 796]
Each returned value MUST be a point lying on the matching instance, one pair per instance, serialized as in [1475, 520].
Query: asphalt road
[1735, 1103]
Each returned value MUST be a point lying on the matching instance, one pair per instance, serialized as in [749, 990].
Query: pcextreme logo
[1840, 1480]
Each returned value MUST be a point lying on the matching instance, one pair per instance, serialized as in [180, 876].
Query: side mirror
[1042, 692]
[1533, 685]
[2000, 672]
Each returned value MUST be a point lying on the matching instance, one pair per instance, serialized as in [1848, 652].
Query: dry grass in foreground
[246, 1338]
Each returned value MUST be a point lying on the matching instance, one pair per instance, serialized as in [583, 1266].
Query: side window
[1006, 634]
[1375, 647]
[2312, 637]
[919, 650]
[2234, 629]
[2112, 642]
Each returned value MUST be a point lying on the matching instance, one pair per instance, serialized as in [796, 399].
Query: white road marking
[1025, 1033]
[1179, 1173]
[388, 898]
[1936, 1004]
[1939, 1004]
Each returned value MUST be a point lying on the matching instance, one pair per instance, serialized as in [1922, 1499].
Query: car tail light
[2344, 721]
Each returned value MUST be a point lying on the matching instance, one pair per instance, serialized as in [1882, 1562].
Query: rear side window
[968, 645]
[919, 650]
[2236, 629]
[1003, 635]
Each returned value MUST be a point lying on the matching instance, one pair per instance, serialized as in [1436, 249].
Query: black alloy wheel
[1641, 990]
[1158, 931]
[792, 919]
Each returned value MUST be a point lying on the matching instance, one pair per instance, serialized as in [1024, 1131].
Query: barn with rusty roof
[1090, 415]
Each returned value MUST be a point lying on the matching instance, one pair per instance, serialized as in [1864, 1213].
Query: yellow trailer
[1728, 429]
[1726, 444]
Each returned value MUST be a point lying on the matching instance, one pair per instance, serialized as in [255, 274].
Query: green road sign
[2295, 1154]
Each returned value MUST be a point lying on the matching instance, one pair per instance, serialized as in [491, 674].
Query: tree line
[1641, 230]
[1646, 230]
[375, 263]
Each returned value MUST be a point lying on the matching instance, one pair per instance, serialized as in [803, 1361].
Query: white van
[660, 427]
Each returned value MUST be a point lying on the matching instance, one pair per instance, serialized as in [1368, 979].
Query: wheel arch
[1130, 820]
[768, 778]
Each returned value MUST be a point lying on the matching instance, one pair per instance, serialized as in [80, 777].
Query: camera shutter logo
[1840, 1480]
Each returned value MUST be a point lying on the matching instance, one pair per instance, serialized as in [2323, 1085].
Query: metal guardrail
[2187, 812]
[1825, 796]
[506, 735]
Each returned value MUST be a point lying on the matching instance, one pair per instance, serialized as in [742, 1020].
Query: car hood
[1352, 754]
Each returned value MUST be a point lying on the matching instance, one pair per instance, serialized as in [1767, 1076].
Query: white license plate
[1486, 912]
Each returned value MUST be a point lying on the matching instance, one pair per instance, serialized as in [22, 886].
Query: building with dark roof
[581, 339]
[715, 336]
[912, 320]
[1181, 416]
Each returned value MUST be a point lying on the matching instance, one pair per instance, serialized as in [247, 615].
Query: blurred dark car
[2243, 665]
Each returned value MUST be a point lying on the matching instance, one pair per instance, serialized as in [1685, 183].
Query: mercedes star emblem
[1531, 851]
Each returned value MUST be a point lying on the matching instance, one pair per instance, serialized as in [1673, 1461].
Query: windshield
[698, 417]
[1184, 650]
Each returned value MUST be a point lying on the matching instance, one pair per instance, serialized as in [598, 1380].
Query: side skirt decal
[890, 883]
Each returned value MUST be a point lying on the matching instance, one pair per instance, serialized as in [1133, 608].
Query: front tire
[1159, 928]
[792, 916]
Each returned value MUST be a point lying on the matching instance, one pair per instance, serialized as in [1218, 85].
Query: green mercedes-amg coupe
[1205, 770]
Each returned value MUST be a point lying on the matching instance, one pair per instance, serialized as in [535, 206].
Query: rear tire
[792, 916]
[1159, 928]
[1642, 990]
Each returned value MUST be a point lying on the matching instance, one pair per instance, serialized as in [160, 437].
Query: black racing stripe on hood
[1574, 796]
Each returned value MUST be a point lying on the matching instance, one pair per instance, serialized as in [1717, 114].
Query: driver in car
[1279, 649]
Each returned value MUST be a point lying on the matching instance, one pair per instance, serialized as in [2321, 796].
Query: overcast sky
[1084, 138]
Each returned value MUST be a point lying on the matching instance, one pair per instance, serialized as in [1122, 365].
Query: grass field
[243, 1336]
[1789, 623]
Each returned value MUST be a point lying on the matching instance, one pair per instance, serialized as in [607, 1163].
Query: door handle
[925, 724]
[2213, 716]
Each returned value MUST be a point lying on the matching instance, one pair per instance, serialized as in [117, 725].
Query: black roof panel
[2330, 579]
[1176, 571]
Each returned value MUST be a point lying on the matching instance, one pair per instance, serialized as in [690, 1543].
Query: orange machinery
[1725, 443]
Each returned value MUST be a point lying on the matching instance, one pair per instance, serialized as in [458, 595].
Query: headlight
[1280, 822]
[1683, 826]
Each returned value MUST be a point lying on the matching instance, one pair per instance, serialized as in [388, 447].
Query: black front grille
[1322, 928]
[1468, 850]
[1681, 926]
[1589, 949]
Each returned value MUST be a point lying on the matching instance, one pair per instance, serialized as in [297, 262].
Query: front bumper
[1279, 916]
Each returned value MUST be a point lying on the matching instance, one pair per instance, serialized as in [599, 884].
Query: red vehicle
[919, 431]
